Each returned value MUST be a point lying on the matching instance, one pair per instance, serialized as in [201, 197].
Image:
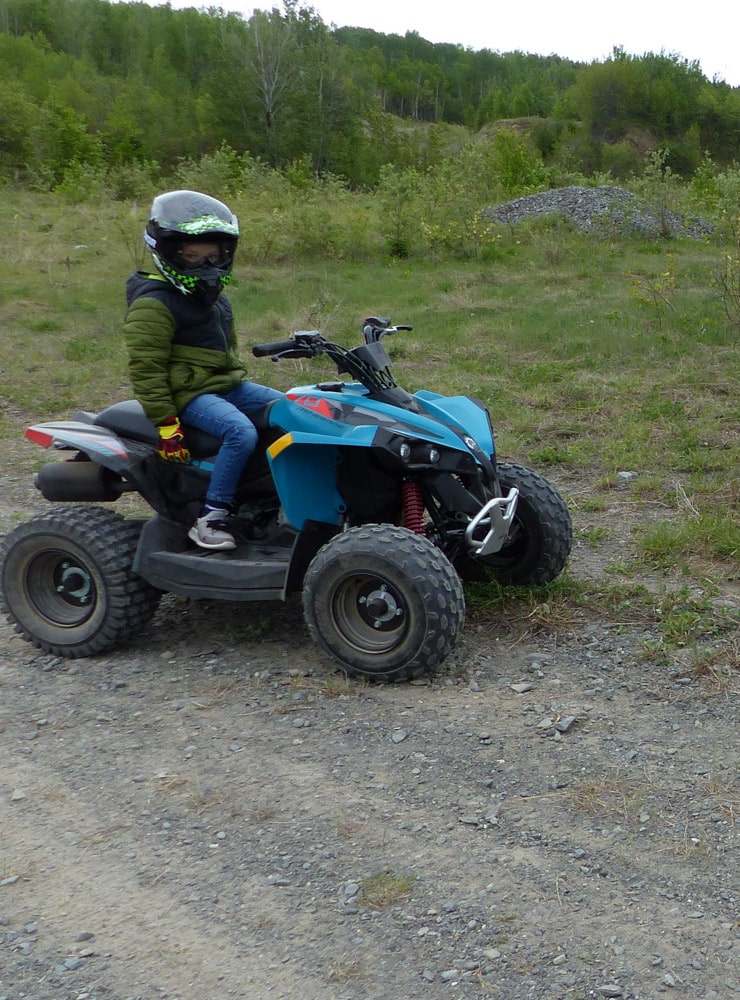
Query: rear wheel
[384, 601]
[66, 581]
[540, 537]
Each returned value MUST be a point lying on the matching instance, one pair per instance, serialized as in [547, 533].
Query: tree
[58, 139]
[272, 61]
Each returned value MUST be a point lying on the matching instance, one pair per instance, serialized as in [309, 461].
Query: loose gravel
[213, 812]
[603, 209]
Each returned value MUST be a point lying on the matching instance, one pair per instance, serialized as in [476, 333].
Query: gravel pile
[604, 208]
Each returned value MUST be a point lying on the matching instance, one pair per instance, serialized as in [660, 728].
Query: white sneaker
[210, 532]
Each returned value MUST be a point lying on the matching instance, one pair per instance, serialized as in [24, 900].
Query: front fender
[305, 478]
[470, 416]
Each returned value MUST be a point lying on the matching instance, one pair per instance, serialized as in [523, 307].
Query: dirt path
[214, 812]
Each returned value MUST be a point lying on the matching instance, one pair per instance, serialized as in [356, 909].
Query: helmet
[179, 219]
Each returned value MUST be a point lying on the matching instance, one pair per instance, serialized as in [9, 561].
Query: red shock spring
[413, 508]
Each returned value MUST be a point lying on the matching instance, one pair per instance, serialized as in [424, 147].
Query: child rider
[182, 347]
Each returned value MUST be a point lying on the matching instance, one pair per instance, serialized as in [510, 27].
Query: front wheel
[66, 581]
[540, 537]
[384, 601]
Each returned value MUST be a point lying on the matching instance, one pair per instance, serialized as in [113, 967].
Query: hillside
[127, 87]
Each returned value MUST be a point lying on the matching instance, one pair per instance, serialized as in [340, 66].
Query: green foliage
[656, 291]
[223, 170]
[138, 179]
[715, 535]
[19, 113]
[442, 209]
[726, 200]
[59, 139]
[595, 354]
[118, 85]
[398, 194]
[727, 278]
[517, 167]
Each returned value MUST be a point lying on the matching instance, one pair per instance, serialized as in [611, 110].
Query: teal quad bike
[374, 503]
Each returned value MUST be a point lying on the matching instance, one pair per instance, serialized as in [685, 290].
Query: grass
[595, 356]
[637, 799]
[609, 796]
[385, 888]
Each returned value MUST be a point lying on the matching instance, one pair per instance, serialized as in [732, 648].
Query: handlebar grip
[265, 350]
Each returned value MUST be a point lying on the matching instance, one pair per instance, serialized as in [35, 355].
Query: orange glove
[172, 441]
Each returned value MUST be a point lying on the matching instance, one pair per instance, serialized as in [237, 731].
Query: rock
[348, 891]
[491, 815]
[563, 725]
[625, 477]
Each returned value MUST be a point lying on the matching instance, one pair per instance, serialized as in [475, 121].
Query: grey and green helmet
[181, 218]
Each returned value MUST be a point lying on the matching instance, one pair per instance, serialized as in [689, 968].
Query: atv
[375, 503]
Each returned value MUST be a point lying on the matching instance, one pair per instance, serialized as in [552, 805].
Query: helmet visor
[205, 254]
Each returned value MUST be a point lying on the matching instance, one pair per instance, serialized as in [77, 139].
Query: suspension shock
[413, 508]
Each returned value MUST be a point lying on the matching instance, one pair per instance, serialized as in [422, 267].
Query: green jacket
[178, 347]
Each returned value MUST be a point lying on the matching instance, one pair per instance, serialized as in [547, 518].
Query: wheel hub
[379, 608]
[61, 589]
[73, 583]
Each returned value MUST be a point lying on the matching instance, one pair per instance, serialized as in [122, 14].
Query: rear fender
[100, 444]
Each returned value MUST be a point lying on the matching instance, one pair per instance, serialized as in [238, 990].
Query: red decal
[317, 403]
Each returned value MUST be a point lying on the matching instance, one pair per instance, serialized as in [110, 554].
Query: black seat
[129, 420]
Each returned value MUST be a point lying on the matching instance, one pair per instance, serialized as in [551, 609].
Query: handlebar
[368, 364]
[266, 350]
[303, 344]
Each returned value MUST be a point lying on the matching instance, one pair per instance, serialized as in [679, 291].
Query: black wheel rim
[61, 588]
[369, 613]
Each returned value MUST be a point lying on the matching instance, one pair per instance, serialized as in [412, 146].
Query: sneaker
[209, 531]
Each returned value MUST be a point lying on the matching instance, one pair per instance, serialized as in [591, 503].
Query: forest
[130, 92]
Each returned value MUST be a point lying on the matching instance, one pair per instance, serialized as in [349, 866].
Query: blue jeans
[226, 417]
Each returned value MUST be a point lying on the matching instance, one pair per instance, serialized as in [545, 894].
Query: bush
[220, 174]
[398, 194]
[82, 182]
[59, 140]
[134, 180]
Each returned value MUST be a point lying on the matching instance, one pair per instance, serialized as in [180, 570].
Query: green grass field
[595, 356]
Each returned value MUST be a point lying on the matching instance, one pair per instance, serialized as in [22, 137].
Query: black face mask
[207, 294]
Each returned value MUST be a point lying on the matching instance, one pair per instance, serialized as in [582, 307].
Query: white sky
[707, 32]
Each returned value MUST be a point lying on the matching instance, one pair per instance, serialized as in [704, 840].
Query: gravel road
[214, 812]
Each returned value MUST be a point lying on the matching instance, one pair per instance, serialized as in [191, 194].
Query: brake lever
[295, 352]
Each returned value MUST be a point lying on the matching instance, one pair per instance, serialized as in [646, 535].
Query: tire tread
[110, 540]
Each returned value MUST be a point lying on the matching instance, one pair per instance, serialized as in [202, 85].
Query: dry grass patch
[386, 888]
